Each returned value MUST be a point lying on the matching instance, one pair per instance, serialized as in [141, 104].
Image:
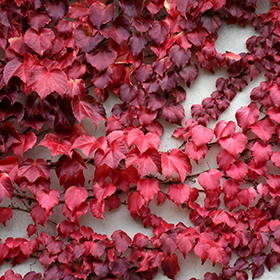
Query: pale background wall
[231, 38]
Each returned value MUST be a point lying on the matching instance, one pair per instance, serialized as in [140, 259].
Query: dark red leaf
[39, 42]
[100, 14]
[121, 240]
[57, 9]
[5, 213]
[38, 20]
[159, 31]
[136, 43]
[173, 113]
[179, 57]
[189, 73]
[85, 39]
[170, 266]
[118, 30]
[101, 58]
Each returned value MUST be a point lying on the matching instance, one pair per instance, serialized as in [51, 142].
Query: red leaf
[87, 107]
[201, 135]
[113, 202]
[103, 192]
[275, 158]
[97, 208]
[179, 57]
[48, 199]
[86, 143]
[119, 266]
[5, 213]
[179, 193]
[38, 20]
[39, 42]
[118, 30]
[132, 8]
[147, 162]
[33, 170]
[121, 240]
[140, 239]
[231, 188]
[237, 170]
[78, 10]
[176, 161]
[85, 39]
[8, 136]
[148, 188]
[247, 196]
[185, 242]
[189, 73]
[225, 159]
[261, 153]
[100, 14]
[136, 43]
[27, 142]
[39, 215]
[274, 114]
[234, 144]
[194, 152]
[135, 202]
[143, 73]
[101, 58]
[210, 180]
[173, 113]
[127, 93]
[74, 197]
[56, 147]
[44, 81]
[264, 129]
[159, 31]
[143, 142]
[247, 116]
[112, 155]
[170, 266]
[224, 129]
[57, 9]
[168, 243]
[274, 91]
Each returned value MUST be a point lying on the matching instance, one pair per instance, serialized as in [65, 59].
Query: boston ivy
[142, 51]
